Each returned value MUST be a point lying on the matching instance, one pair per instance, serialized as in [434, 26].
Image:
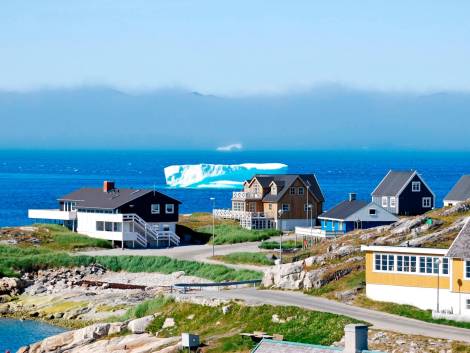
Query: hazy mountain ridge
[328, 117]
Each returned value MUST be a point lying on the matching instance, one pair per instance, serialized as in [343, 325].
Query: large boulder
[140, 325]
[11, 285]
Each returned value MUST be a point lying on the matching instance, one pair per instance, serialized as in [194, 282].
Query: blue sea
[15, 333]
[35, 179]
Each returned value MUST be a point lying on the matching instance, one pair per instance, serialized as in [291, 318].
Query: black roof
[393, 182]
[284, 181]
[460, 248]
[344, 209]
[461, 190]
[97, 198]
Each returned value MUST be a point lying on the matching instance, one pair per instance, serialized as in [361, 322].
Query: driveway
[379, 320]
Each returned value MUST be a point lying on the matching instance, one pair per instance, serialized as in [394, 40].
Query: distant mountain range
[323, 118]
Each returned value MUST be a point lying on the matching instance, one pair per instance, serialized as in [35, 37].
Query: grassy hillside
[14, 260]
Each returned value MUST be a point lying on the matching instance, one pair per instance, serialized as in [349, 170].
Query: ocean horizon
[35, 179]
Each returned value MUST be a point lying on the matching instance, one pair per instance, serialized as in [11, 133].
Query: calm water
[15, 333]
[30, 179]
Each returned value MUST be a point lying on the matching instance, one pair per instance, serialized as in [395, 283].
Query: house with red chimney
[127, 217]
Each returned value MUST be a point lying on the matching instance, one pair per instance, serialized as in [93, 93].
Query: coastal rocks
[406, 225]
[428, 238]
[94, 339]
[140, 325]
[11, 285]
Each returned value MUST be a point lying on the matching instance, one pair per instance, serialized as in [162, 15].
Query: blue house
[355, 214]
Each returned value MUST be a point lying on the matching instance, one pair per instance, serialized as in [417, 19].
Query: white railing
[316, 232]
[248, 220]
[242, 195]
[53, 214]
[146, 231]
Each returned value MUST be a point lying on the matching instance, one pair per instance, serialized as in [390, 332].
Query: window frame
[414, 188]
[292, 190]
[411, 264]
[385, 198]
[428, 203]
[372, 211]
[393, 202]
[97, 227]
[172, 205]
[466, 269]
[285, 209]
[300, 191]
[152, 208]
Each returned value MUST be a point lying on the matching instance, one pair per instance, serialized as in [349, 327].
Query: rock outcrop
[11, 285]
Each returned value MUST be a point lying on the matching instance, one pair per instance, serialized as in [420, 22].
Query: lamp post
[213, 225]
[438, 262]
[280, 212]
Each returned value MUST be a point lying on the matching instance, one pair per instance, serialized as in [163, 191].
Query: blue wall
[336, 226]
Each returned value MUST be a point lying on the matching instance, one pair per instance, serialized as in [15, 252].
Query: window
[384, 201]
[273, 190]
[400, 263]
[384, 262]
[412, 263]
[238, 206]
[307, 206]
[416, 186]
[426, 202]
[155, 208]
[117, 227]
[377, 262]
[393, 201]
[285, 207]
[292, 191]
[108, 226]
[270, 206]
[372, 211]
[301, 191]
[467, 269]
[169, 208]
[445, 266]
[428, 264]
[100, 226]
[468, 304]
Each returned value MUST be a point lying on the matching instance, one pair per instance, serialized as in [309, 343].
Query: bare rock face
[458, 208]
[140, 325]
[406, 225]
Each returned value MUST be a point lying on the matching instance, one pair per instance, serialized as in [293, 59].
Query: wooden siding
[458, 273]
[410, 203]
[297, 203]
[401, 279]
[142, 207]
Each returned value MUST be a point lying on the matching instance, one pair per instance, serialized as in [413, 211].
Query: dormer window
[416, 186]
[273, 190]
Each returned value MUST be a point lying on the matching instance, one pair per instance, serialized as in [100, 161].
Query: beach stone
[169, 322]
[140, 325]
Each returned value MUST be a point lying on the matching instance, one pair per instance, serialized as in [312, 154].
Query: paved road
[379, 320]
[192, 252]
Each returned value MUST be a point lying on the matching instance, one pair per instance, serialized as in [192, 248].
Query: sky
[235, 48]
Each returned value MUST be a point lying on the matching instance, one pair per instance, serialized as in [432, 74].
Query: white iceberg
[222, 176]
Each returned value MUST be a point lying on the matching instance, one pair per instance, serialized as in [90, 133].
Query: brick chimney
[355, 338]
[352, 196]
[108, 186]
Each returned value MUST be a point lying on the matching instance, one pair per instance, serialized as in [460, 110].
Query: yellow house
[436, 279]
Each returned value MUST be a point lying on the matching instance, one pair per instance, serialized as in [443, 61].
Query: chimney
[352, 196]
[108, 186]
[355, 338]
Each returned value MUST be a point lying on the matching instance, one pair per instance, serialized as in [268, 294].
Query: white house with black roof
[459, 193]
[404, 193]
[353, 214]
[128, 217]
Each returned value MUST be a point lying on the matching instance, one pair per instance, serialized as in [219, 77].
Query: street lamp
[280, 212]
[213, 225]
[438, 262]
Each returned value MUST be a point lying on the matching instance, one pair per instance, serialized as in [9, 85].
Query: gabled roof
[393, 183]
[344, 209]
[286, 180]
[461, 190]
[96, 198]
[460, 248]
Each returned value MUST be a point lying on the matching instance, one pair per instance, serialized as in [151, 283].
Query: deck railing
[317, 232]
[242, 195]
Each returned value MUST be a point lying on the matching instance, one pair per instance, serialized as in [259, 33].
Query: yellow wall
[458, 273]
[399, 279]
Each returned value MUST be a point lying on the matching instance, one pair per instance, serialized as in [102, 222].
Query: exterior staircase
[145, 232]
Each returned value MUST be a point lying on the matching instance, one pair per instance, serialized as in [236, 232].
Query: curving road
[379, 320]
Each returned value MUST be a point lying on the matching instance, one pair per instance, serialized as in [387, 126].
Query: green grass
[408, 311]
[252, 258]
[353, 280]
[14, 259]
[221, 331]
[286, 245]
[145, 308]
[232, 234]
